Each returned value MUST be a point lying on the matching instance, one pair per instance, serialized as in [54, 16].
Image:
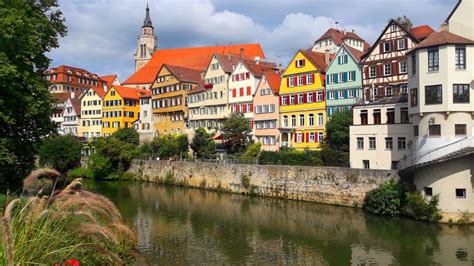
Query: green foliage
[28, 30]
[62, 153]
[405, 22]
[3, 200]
[203, 145]
[465, 217]
[170, 146]
[291, 157]
[385, 200]
[245, 180]
[252, 152]
[236, 132]
[335, 150]
[100, 166]
[419, 208]
[80, 172]
[127, 135]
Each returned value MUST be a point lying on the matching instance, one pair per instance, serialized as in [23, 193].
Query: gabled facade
[72, 116]
[144, 125]
[169, 92]
[302, 101]
[109, 81]
[242, 86]
[71, 79]
[120, 108]
[91, 113]
[208, 103]
[343, 80]
[60, 99]
[332, 39]
[385, 65]
[266, 107]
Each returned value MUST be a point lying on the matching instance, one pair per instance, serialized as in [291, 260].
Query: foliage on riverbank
[291, 157]
[389, 199]
[70, 224]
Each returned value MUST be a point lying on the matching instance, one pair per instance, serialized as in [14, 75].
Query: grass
[69, 224]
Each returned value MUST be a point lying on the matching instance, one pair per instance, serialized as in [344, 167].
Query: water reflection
[189, 226]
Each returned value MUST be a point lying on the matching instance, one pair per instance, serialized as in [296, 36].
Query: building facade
[71, 79]
[385, 65]
[147, 42]
[343, 80]
[381, 134]
[266, 107]
[91, 113]
[144, 125]
[60, 99]
[72, 116]
[120, 108]
[169, 92]
[332, 39]
[303, 101]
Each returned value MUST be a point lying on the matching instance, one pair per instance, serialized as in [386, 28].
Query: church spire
[147, 21]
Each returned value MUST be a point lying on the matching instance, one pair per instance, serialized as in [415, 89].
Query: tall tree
[236, 132]
[405, 22]
[203, 145]
[335, 149]
[62, 153]
[28, 30]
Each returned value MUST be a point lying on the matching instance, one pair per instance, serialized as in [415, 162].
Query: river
[180, 226]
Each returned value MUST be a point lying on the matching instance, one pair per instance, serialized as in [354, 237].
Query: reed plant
[70, 223]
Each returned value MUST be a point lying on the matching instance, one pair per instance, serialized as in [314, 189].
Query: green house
[343, 80]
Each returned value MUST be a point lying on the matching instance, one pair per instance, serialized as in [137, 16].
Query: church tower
[147, 42]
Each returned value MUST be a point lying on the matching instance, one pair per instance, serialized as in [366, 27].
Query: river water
[180, 226]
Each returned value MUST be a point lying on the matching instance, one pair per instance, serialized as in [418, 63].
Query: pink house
[266, 111]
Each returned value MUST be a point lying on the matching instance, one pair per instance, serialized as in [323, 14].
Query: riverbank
[327, 185]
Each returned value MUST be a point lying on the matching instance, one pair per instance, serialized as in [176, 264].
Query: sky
[102, 34]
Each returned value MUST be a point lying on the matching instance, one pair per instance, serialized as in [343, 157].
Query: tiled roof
[356, 53]
[70, 75]
[228, 60]
[339, 36]
[76, 105]
[109, 79]
[274, 81]
[61, 96]
[195, 58]
[318, 59]
[99, 91]
[128, 92]
[421, 32]
[184, 74]
[145, 94]
[440, 38]
[259, 68]
[197, 89]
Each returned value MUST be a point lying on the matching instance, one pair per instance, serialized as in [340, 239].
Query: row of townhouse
[427, 132]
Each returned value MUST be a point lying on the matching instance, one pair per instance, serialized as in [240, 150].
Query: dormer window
[112, 93]
[394, 27]
[300, 63]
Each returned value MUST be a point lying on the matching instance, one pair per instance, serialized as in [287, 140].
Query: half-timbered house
[385, 64]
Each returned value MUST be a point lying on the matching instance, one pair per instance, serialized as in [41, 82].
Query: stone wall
[338, 186]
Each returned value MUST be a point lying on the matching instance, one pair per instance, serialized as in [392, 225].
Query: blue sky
[103, 33]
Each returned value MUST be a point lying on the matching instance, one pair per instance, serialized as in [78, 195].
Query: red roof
[441, 38]
[339, 36]
[71, 75]
[197, 89]
[76, 104]
[128, 92]
[318, 59]
[184, 74]
[259, 68]
[109, 80]
[421, 32]
[145, 94]
[228, 60]
[356, 53]
[61, 96]
[99, 91]
[274, 81]
[195, 58]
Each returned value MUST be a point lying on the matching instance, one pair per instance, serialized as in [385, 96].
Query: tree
[28, 30]
[335, 150]
[112, 156]
[127, 135]
[203, 145]
[236, 132]
[62, 153]
[405, 22]
[182, 143]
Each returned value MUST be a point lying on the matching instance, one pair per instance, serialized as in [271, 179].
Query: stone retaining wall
[329, 185]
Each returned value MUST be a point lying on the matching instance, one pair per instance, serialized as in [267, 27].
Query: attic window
[394, 27]
[300, 63]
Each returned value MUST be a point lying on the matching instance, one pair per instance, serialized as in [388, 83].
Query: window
[403, 67]
[320, 119]
[311, 120]
[434, 94]
[291, 82]
[320, 96]
[300, 63]
[388, 91]
[300, 98]
[366, 164]
[391, 116]
[373, 71]
[309, 79]
[343, 59]
[433, 60]
[386, 47]
[320, 137]
[413, 64]
[428, 191]
[285, 121]
[332, 79]
[292, 99]
[404, 117]
[293, 120]
[414, 97]
[460, 129]
[402, 143]
[401, 44]
[460, 193]
[377, 117]
[112, 93]
[363, 117]
[299, 137]
[351, 75]
[312, 137]
[460, 58]
[372, 145]
[301, 122]
[300, 80]
[310, 97]
[389, 144]
[416, 131]
[403, 89]
[360, 143]
[434, 130]
[284, 100]
[341, 94]
[387, 69]
[461, 93]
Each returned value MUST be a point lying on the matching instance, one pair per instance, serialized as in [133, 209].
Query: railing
[430, 155]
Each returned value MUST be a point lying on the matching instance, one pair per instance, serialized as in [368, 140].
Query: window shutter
[381, 48]
[304, 62]
[406, 43]
[251, 107]
[245, 108]
[251, 123]
[305, 98]
[315, 97]
[281, 100]
[354, 75]
[295, 135]
[297, 99]
[366, 70]
[346, 94]
[395, 68]
[314, 81]
[324, 96]
[237, 108]
[394, 45]
[379, 71]
[304, 80]
[295, 79]
[307, 137]
[339, 60]
[344, 76]
[296, 63]
[336, 95]
[288, 100]
[248, 90]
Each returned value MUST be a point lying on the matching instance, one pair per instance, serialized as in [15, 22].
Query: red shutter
[241, 92]
[381, 48]
[281, 100]
[406, 43]
[305, 98]
[288, 82]
[294, 80]
[288, 100]
[245, 108]
[304, 62]
[314, 81]
[366, 70]
[248, 90]
[395, 68]
[295, 136]
[379, 71]
[296, 63]
[234, 93]
[315, 97]
[237, 108]
[316, 139]
[394, 45]
[251, 123]
[307, 137]
[304, 80]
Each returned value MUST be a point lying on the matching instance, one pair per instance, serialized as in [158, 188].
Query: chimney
[326, 57]
[353, 30]
[257, 59]
[344, 32]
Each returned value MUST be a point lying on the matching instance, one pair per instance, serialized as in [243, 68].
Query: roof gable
[354, 55]
[126, 92]
[442, 38]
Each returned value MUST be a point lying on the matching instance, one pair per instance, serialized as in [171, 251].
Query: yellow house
[169, 91]
[91, 113]
[303, 101]
[120, 108]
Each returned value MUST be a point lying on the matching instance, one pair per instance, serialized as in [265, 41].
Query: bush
[418, 208]
[80, 172]
[252, 152]
[291, 157]
[203, 145]
[62, 153]
[385, 200]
